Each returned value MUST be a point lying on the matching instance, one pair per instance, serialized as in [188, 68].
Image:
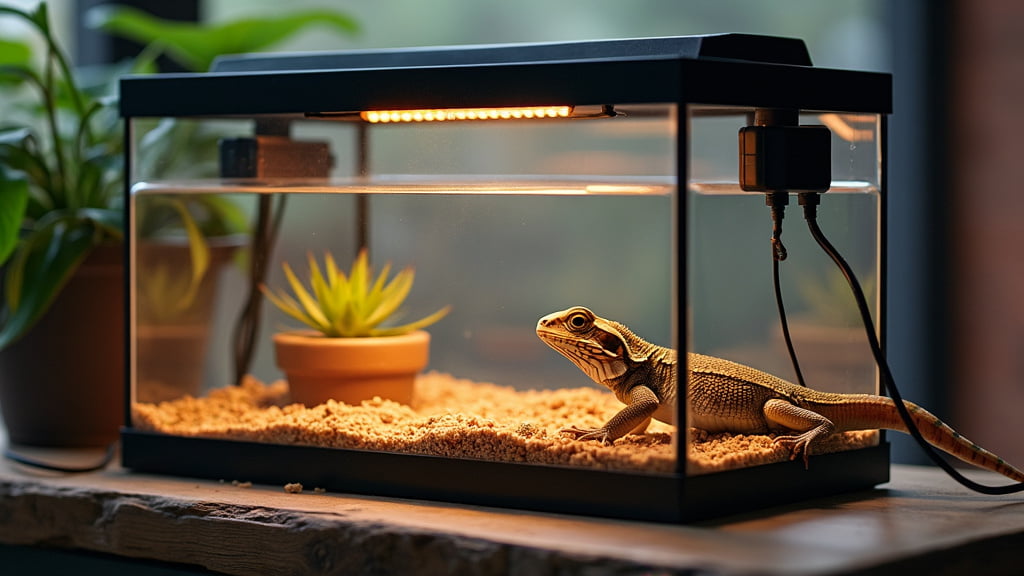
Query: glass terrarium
[498, 216]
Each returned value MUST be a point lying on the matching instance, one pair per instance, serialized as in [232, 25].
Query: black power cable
[810, 203]
[777, 201]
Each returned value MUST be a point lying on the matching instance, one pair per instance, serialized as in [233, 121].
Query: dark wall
[918, 313]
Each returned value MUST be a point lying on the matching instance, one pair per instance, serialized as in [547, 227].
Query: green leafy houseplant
[60, 214]
[349, 306]
[59, 175]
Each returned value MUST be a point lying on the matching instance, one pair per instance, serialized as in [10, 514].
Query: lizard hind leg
[641, 427]
[811, 425]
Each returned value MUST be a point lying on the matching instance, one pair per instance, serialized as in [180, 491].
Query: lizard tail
[943, 437]
[869, 411]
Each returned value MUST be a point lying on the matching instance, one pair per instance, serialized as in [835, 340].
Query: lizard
[726, 396]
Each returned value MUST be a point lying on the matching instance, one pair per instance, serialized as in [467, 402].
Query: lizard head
[596, 346]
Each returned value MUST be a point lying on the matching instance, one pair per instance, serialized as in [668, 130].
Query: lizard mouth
[583, 353]
[551, 338]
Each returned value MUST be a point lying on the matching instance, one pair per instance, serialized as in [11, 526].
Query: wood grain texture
[923, 520]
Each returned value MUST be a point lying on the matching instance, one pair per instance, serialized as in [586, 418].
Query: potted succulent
[349, 355]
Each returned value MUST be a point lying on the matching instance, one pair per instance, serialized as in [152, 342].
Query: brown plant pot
[171, 345]
[170, 361]
[62, 384]
[351, 370]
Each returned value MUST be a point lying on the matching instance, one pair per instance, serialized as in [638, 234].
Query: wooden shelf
[921, 522]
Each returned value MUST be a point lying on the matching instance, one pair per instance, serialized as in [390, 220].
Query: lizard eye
[578, 321]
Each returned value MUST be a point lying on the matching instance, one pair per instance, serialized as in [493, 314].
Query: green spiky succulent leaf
[349, 306]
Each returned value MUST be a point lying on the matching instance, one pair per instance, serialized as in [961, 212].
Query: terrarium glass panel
[733, 312]
[502, 221]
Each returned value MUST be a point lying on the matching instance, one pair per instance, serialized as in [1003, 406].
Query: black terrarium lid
[726, 69]
[747, 47]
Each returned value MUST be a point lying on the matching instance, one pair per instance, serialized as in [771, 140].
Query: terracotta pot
[62, 384]
[171, 344]
[170, 362]
[351, 370]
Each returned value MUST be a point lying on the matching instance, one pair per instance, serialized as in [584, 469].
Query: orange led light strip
[456, 114]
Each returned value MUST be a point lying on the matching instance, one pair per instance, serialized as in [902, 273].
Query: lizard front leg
[812, 425]
[634, 417]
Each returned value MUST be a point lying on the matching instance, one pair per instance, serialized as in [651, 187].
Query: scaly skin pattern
[729, 397]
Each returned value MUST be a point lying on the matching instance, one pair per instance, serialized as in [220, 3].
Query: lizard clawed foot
[600, 434]
[797, 445]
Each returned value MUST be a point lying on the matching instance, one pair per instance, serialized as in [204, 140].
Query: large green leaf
[41, 267]
[13, 200]
[16, 55]
[195, 46]
[13, 54]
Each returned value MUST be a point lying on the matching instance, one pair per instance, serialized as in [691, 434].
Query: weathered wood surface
[921, 523]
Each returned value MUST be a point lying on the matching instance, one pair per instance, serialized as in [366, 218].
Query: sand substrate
[460, 418]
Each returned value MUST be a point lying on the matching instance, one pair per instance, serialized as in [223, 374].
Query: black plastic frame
[635, 496]
[685, 71]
